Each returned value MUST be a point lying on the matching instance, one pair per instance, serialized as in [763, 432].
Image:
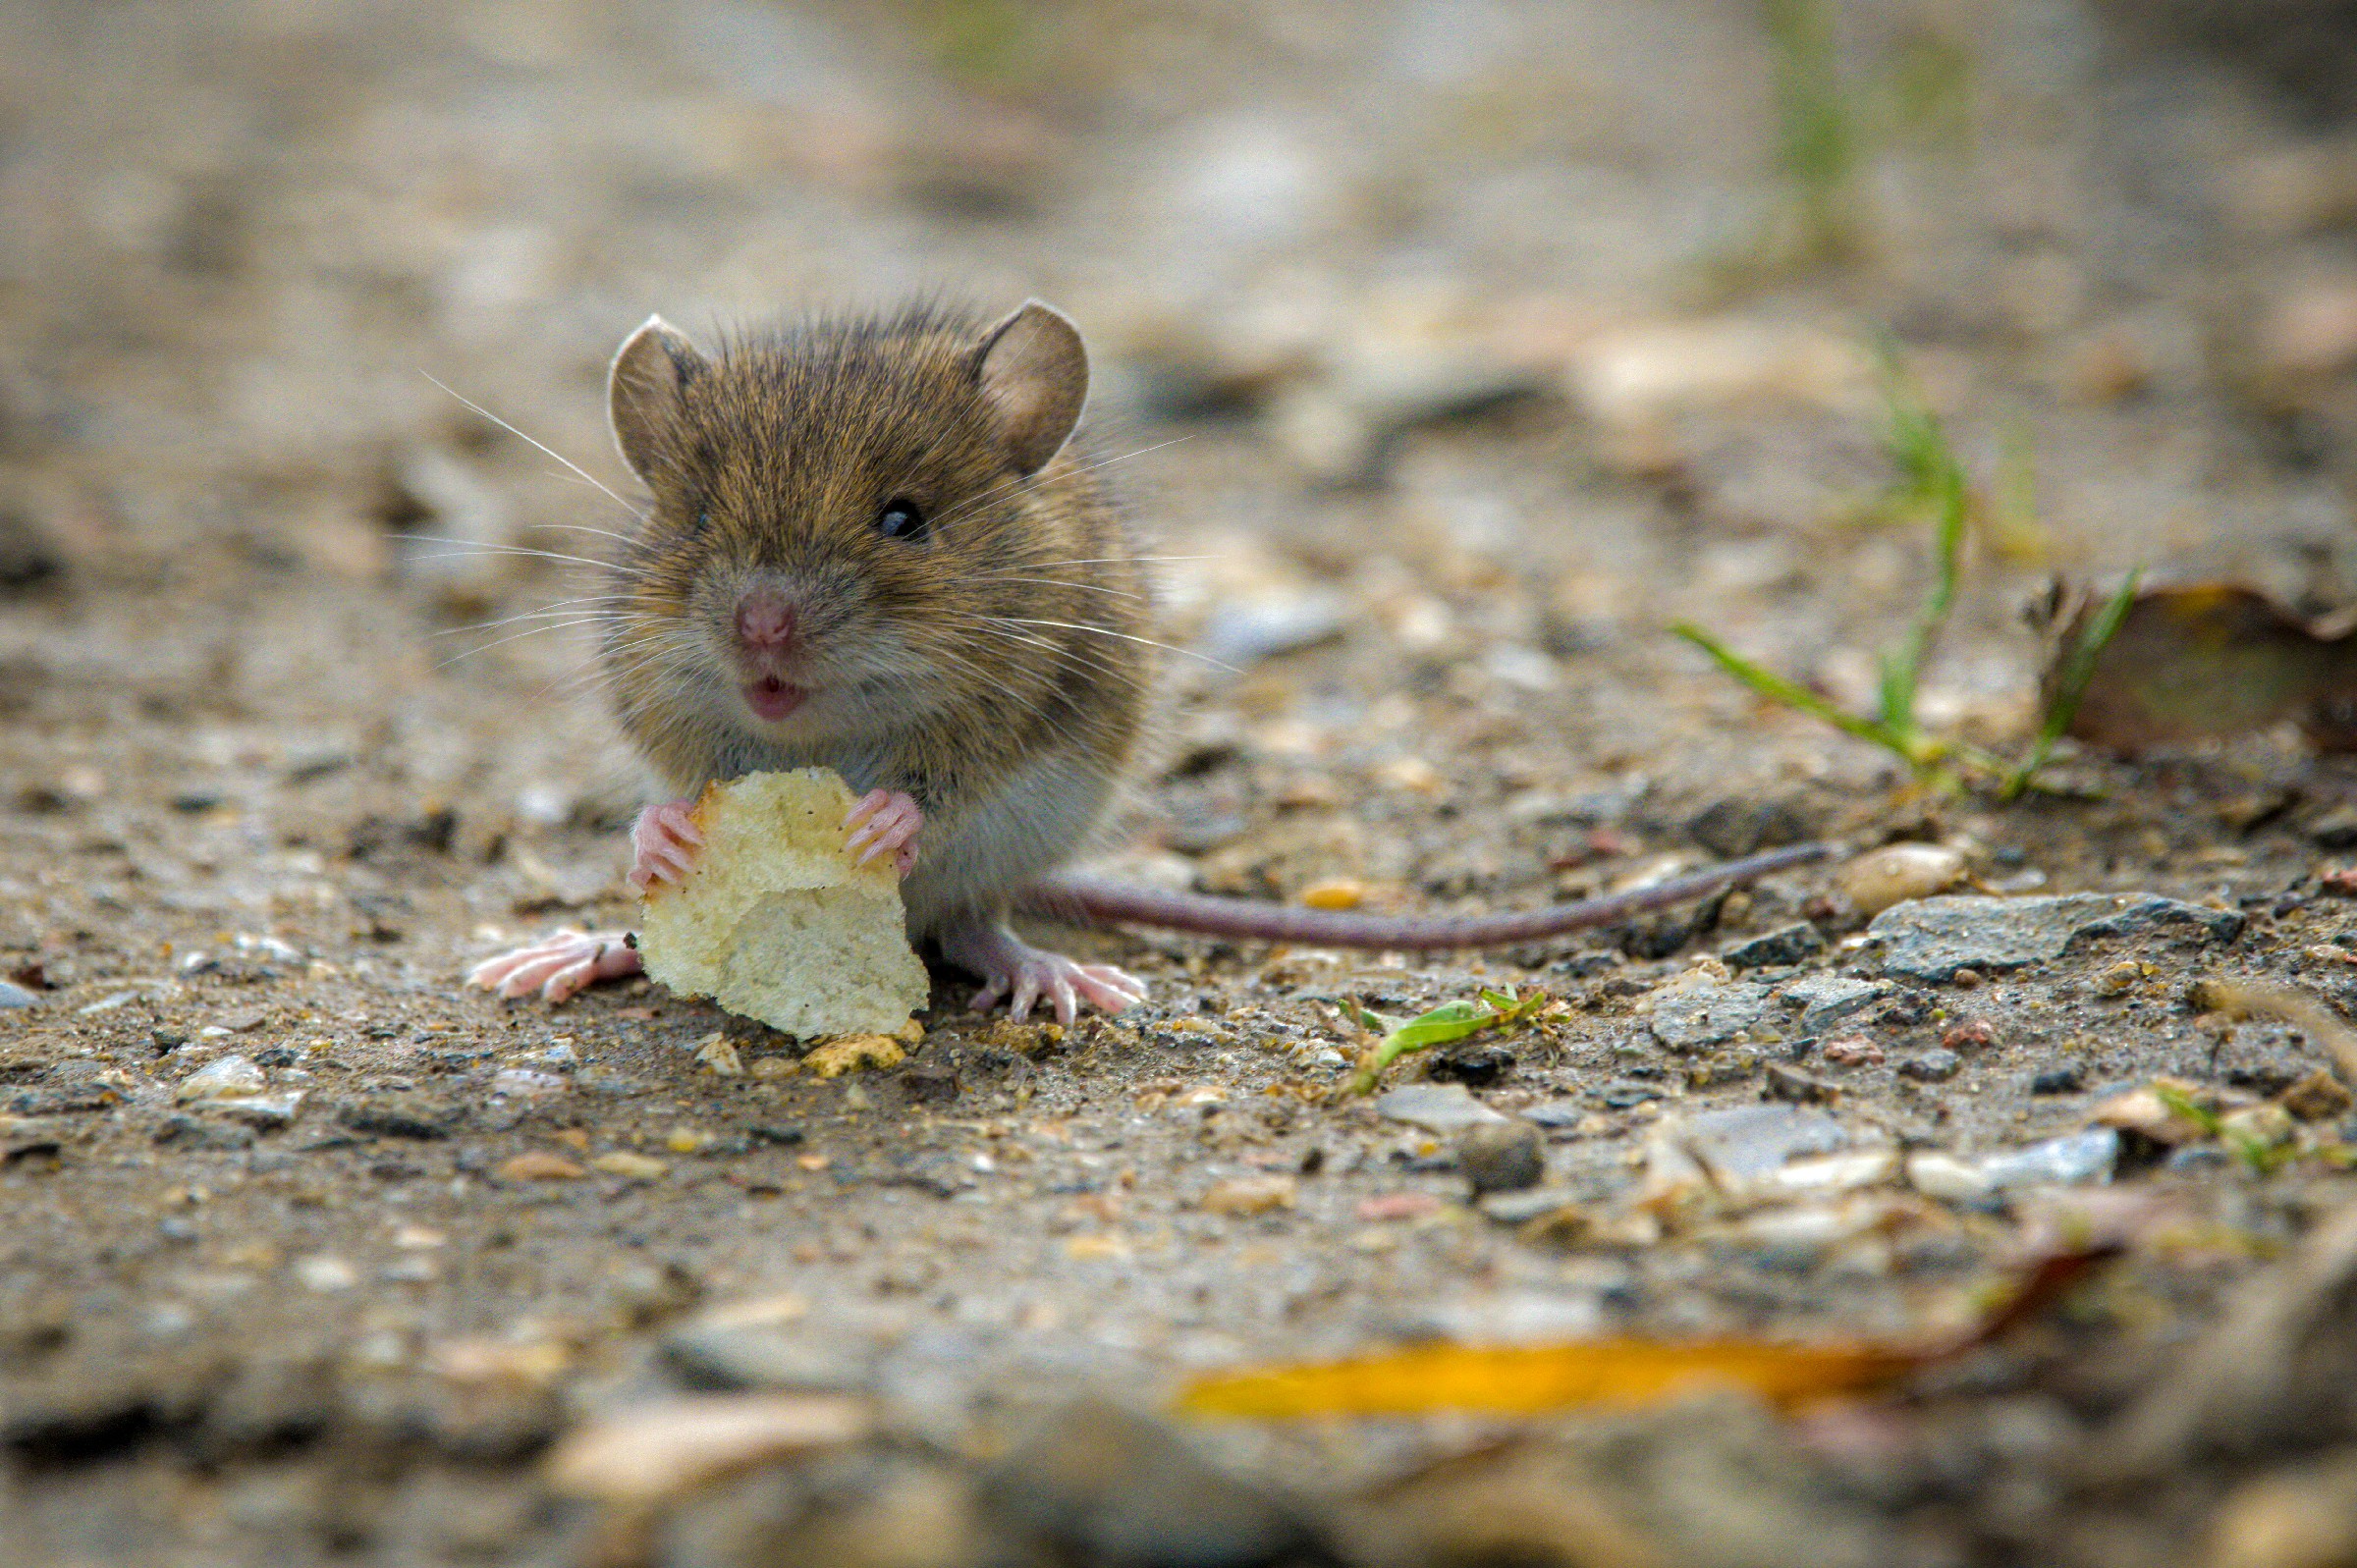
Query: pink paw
[881, 820]
[1023, 974]
[663, 843]
[558, 966]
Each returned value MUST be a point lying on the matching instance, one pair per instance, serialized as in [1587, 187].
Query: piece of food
[776, 924]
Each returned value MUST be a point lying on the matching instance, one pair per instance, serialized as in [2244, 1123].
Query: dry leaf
[1526, 1379]
[2204, 660]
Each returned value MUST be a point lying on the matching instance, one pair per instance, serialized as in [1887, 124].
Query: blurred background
[1475, 340]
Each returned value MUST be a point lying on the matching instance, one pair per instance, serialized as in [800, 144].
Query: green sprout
[1833, 116]
[2263, 1158]
[1932, 479]
[1816, 126]
[1450, 1020]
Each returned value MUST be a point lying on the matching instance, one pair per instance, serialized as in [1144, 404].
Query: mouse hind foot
[559, 966]
[1013, 969]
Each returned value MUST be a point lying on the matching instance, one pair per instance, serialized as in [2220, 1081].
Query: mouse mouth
[772, 699]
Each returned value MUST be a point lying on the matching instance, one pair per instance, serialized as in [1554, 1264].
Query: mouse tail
[1090, 901]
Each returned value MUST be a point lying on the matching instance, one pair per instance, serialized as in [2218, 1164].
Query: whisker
[462, 549]
[1107, 631]
[582, 527]
[560, 607]
[1055, 582]
[533, 632]
[542, 444]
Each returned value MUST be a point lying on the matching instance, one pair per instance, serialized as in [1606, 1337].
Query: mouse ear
[643, 391]
[1034, 374]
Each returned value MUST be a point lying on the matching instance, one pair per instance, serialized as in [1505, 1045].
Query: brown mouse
[871, 548]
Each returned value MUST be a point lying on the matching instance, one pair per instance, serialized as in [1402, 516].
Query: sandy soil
[1450, 352]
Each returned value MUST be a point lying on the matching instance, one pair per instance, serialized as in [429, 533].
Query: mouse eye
[900, 520]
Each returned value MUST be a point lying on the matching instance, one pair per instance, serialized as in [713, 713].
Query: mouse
[872, 544]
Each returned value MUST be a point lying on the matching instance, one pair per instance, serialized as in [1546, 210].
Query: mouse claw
[884, 821]
[664, 842]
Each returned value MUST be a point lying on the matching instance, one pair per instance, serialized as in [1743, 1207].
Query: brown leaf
[2204, 660]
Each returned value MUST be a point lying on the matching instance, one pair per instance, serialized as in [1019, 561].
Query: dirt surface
[1449, 352]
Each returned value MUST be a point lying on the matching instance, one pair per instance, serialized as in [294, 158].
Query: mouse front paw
[884, 821]
[559, 966]
[664, 842]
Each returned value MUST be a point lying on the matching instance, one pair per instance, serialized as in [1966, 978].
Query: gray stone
[2335, 829]
[1691, 1018]
[1244, 631]
[1751, 1141]
[2080, 1156]
[1930, 939]
[1502, 1157]
[261, 1113]
[1825, 1000]
[1098, 1484]
[1436, 1106]
[1554, 1113]
[729, 1358]
[1936, 1065]
[399, 1115]
[1533, 1202]
[1626, 1093]
[13, 994]
[1786, 945]
[202, 1132]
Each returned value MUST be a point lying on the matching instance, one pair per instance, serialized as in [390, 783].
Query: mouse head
[841, 511]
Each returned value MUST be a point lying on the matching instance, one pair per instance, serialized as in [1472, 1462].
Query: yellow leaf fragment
[1526, 1379]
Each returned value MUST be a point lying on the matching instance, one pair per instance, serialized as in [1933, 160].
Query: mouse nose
[765, 621]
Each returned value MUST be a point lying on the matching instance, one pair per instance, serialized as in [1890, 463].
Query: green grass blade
[1776, 689]
[2078, 670]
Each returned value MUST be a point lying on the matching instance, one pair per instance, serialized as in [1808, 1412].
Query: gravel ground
[1449, 352]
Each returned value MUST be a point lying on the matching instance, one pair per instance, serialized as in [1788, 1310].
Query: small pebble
[1502, 1157]
[13, 994]
[1852, 1051]
[1787, 945]
[1897, 874]
[1340, 893]
[2116, 980]
[1972, 1034]
[716, 1055]
[2266, 1126]
[1435, 1106]
[2319, 1097]
[1249, 1194]
[1791, 1085]
[323, 1272]
[1933, 1066]
[636, 1167]
[228, 1078]
[2057, 1081]
[1965, 979]
[642, 1455]
[770, 1069]
[1398, 1206]
[538, 1164]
